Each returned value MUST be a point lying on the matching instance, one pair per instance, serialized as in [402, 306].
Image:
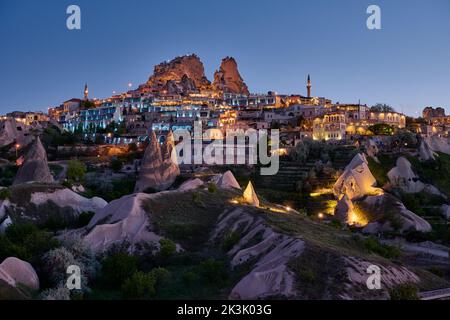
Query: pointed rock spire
[227, 181]
[35, 166]
[157, 171]
[250, 196]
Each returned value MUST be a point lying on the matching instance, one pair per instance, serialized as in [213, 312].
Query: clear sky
[276, 44]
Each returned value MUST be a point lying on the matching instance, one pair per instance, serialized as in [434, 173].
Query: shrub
[5, 193]
[119, 266]
[167, 248]
[144, 285]
[405, 291]
[230, 240]
[387, 251]
[26, 242]
[84, 218]
[212, 187]
[58, 293]
[76, 170]
[213, 271]
[55, 263]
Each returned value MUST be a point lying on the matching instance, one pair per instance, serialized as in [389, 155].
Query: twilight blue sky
[276, 44]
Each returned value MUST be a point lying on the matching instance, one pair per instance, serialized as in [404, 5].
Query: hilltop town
[93, 183]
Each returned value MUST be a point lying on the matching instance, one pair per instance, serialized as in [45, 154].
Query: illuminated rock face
[384, 204]
[344, 209]
[228, 80]
[12, 131]
[35, 166]
[179, 76]
[250, 196]
[372, 149]
[356, 181]
[158, 170]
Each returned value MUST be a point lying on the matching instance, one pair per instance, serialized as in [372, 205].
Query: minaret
[308, 86]
[86, 92]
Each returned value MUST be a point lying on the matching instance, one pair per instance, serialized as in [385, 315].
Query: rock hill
[228, 79]
[181, 75]
[35, 166]
[158, 169]
[186, 74]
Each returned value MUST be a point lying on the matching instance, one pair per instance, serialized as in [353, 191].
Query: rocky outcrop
[181, 75]
[425, 151]
[38, 203]
[403, 177]
[356, 180]
[344, 209]
[438, 144]
[228, 80]
[159, 167]
[372, 149]
[17, 272]
[445, 209]
[35, 166]
[250, 196]
[12, 131]
[357, 273]
[376, 210]
[227, 181]
[122, 220]
[269, 255]
[389, 213]
[68, 198]
[191, 185]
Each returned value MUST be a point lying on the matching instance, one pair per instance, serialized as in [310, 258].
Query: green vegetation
[76, 170]
[55, 169]
[84, 218]
[5, 194]
[144, 285]
[382, 107]
[380, 170]
[320, 274]
[435, 172]
[7, 174]
[26, 242]
[381, 129]
[110, 190]
[187, 218]
[373, 245]
[118, 266]
[406, 291]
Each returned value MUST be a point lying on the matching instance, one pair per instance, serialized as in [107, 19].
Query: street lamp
[17, 148]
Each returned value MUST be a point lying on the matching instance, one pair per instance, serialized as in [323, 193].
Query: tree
[382, 107]
[144, 285]
[381, 129]
[76, 170]
[118, 267]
